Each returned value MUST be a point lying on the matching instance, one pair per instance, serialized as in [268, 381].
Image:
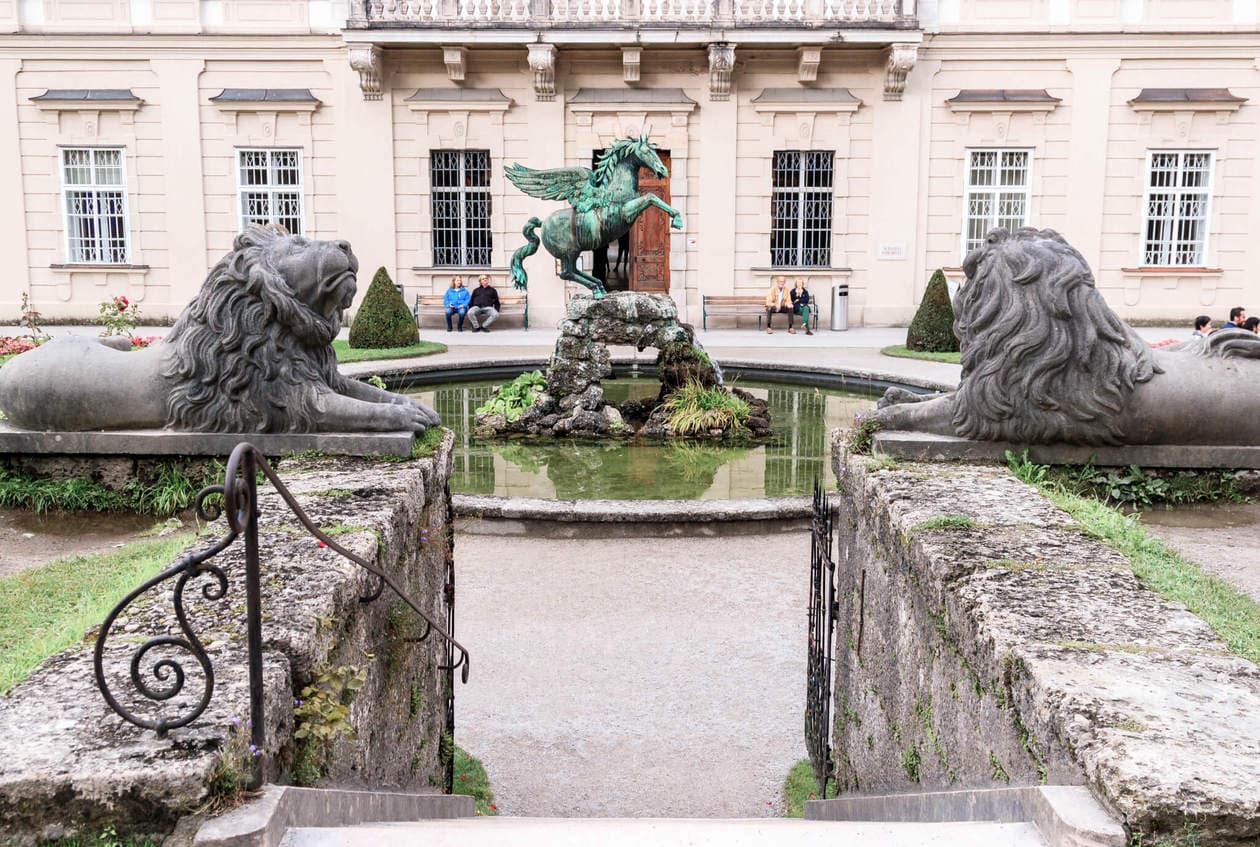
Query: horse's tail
[519, 277]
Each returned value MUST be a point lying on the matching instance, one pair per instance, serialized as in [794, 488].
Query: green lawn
[345, 353]
[903, 352]
[44, 610]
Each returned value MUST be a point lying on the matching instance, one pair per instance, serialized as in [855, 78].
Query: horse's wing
[554, 184]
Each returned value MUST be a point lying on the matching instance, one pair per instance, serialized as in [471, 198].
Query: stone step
[665, 832]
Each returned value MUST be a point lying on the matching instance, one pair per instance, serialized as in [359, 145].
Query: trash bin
[840, 307]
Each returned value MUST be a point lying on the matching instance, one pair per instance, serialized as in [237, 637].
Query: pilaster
[186, 248]
[13, 210]
[1087, 178]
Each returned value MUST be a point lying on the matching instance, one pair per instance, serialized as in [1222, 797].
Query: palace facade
[857, 142]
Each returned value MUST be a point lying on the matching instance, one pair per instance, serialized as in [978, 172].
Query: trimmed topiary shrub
[383, 319]
[932, 329]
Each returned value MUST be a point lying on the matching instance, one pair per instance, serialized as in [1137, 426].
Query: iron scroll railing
[822, 614]
[239, 495]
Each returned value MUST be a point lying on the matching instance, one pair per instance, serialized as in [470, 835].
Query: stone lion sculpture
[1045, 360]
[251, 353]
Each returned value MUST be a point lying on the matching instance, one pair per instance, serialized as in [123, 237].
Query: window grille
[461, 207]
[94, 184]
[1178, 185]
[998, 190]
[800, 208]
[270, 185]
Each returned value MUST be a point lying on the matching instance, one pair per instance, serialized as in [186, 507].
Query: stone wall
[72, 766]
[983, 638]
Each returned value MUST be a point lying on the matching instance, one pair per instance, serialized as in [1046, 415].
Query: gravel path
[633, 676]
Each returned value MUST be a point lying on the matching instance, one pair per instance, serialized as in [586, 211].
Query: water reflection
[787, 466]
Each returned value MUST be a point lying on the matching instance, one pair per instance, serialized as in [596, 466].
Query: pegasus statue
[605, 204]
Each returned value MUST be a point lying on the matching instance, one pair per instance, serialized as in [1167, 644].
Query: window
[800, 208]
[270, 186]
[1178, 185]
[461, 207]
[997, 193]
[94, 183]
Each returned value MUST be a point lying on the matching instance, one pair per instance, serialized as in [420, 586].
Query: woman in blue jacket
[456, 301]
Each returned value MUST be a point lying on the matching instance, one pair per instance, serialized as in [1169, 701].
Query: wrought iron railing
[543, 13]
[822, 615]
[237, 499]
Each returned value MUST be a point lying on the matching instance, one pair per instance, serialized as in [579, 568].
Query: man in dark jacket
[484, 307]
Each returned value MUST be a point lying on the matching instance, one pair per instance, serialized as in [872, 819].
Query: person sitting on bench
[801, 303]
[485, 305]
[779, 300]
[455, 302]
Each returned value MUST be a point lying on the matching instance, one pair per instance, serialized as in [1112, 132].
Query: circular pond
[786, 466]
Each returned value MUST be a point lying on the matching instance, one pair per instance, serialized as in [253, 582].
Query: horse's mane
[246, 351]
[612, 157]
[1044, 358]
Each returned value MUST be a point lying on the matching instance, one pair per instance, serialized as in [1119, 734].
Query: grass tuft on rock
[45, 610]
[696, 410]
[932, 329]
[383, 319]
[170, 489]
[471, 780]
[800, 786]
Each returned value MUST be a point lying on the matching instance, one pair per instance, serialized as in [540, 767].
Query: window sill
[456, 268]
[74, 267]
[1165, 270]
[771, 271]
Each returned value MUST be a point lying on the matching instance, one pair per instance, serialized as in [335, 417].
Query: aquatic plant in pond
[515, 397]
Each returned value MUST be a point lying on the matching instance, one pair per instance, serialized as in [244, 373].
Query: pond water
[799, 452]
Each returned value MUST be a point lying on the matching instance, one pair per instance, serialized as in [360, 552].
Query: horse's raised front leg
[569, 271]
[675, 216]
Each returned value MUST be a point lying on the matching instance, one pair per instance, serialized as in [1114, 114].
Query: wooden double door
[648, 247]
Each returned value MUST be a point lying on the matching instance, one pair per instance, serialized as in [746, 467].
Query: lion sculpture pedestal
[1048, 366]
[249, 358]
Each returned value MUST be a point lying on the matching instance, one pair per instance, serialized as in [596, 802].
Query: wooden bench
[510, 303]
[752, 306]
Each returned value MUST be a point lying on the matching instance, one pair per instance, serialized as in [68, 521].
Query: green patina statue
[605, 201]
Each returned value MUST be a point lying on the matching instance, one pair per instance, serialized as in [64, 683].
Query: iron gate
[822, 613]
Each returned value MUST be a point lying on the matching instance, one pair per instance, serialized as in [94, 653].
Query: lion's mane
[247, 352]
[1044, 358]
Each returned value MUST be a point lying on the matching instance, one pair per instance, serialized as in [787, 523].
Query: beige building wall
[899, 166]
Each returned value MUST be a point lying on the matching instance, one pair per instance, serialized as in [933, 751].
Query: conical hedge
[383, 319]
[932, 329]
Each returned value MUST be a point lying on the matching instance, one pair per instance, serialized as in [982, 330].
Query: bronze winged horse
[604, 205]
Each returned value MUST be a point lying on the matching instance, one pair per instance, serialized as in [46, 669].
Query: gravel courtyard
[633, 676]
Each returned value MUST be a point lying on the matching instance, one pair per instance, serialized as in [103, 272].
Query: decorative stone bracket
[542, 61]
[631, 59]
[456, 61]
[901, 60]
[721, 63]
[366, 59]
[807, 61]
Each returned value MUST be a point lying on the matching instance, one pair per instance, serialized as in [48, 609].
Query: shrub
[695, 410]
[932, 329]
[515, 397]
[383, 319]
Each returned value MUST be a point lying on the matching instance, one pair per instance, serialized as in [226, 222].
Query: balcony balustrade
[541, 14]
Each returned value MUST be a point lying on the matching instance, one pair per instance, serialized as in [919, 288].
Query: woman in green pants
[802, 304]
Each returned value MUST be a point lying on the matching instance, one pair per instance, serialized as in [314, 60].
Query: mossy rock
[932, 329]
[682, 362]
[383, 319]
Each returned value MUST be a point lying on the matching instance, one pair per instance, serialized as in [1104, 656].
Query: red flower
[463, 778]
[122, 303]
[494, 807]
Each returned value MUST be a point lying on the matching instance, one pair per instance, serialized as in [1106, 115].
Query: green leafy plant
[118, 316]
[861, 435]
[471, 780]
[30, 318]
[321, 716]
[169, 489]
[800, 786]
[695, 410]
[933, 326]
[234, 769]
[376, 382]
[383, 319]
[515, 397]
[1131, 487]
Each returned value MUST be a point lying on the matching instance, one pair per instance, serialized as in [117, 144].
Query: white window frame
[462, 191]
[66, 188]
[271, 189]
[1207, 209]
[995, 189]
[802, 192]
